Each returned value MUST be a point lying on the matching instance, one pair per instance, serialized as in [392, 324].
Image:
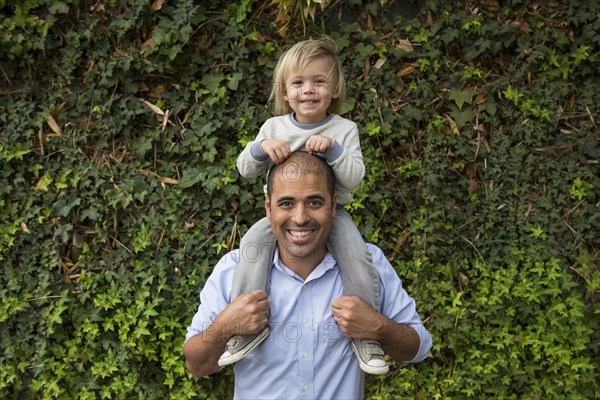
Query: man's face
[301, 210]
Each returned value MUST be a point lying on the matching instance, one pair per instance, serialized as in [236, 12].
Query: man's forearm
[202, 351]
[401, 342]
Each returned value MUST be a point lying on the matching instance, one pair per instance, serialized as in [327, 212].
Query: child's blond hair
[295, 59]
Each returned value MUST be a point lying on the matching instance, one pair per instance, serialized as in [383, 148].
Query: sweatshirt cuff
[257, 153]
[334, 152]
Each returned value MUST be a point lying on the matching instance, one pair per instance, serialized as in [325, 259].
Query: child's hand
[318, 144]
[277, 150]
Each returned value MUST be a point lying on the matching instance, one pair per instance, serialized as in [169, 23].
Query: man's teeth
[299, 234]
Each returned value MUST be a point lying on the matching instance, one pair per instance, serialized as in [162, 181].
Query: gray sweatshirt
[344, 156]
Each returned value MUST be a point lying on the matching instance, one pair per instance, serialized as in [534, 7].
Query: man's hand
[356, 318]
[277, 150]
[318, 144]
[246, 314]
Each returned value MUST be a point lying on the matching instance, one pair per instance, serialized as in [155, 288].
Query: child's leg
[359, 276]
[256, 256]
[251, 273]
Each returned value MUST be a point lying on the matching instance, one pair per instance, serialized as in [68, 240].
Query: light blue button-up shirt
[306, 356]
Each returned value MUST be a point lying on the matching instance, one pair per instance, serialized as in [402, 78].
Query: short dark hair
[301, 163]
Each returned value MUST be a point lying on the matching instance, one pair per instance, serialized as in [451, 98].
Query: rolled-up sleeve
[397, 305]
[214, 296]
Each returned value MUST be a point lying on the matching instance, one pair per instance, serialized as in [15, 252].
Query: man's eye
[285, 204]
[315, 203]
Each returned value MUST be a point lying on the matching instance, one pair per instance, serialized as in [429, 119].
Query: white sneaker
[370, 356]
[239, 346]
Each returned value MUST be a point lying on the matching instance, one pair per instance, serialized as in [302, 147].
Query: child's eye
[297, 82]
[320, 82]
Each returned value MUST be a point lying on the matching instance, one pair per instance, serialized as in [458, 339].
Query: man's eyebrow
[309, 197]
[316, 197]
[285, 198]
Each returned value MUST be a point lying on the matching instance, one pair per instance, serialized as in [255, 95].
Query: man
[307, 354]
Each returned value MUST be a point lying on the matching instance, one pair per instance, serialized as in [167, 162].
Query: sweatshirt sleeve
[252, 161]
[346, 159]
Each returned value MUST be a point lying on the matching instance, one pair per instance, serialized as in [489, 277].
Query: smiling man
[308, 354]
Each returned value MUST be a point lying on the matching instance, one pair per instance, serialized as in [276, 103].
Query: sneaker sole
[366, 367]
[223, 361]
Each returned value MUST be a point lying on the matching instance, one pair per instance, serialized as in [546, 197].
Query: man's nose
[300, 217]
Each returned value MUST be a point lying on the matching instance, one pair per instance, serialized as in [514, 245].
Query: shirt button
[306, 356]
[305, 321]
[306, 388]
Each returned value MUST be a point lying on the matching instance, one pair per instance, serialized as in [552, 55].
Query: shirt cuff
[425, 342]
[334, 152]
[257, 153]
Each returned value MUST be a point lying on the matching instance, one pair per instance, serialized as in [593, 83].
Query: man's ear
[333, 204]
[268, 206]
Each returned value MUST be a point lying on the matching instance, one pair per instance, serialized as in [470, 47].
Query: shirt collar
[309, 126]
[325, 265]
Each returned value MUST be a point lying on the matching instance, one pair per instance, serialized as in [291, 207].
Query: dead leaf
[479, 127]
[453, 126]
[463, 279]
[380, 63]
[156, 91]
[167, 180]
[560, 149]
[471, 170]
[406, 70]
[153, 107]
[44, 182]
[402, 239]
[473, 185]
[479, 99]
[157, 5]
[54, 126]
[405, 45]
[24, 227]
[165, 120]
[149, 42]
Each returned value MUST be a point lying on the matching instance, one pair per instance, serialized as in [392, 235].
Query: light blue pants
[345, 243]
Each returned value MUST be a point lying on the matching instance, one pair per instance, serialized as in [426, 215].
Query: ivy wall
[120, 124]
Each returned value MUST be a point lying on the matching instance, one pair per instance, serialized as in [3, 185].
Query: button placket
[305, 344]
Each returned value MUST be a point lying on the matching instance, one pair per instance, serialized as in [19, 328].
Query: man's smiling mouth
[299, 234]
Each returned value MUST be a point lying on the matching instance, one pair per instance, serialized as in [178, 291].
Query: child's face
[308, 91]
